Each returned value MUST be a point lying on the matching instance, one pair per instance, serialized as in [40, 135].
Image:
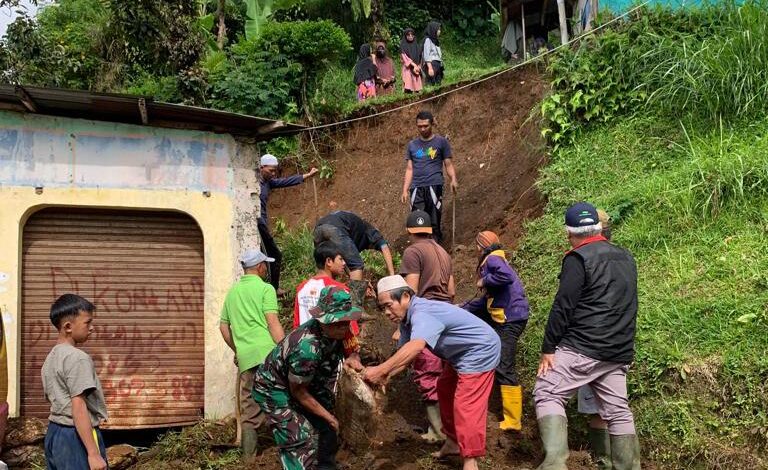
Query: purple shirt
[427, 157]
[274, 183]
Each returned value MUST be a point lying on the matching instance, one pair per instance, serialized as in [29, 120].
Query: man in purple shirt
[267, 182]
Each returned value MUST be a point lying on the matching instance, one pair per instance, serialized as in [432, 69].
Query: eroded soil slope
[497, 152]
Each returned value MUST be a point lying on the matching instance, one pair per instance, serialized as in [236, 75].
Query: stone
[359, 410]
[121, 456]
[24, 456]
[25, 432]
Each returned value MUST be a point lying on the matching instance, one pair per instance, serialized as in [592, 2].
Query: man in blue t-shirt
[470, 350]
[423, 185]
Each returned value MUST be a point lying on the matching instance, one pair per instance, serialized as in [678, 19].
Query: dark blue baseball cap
[581, 214]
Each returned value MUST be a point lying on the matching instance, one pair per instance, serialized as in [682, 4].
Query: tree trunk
[222, 34]
[377, 18]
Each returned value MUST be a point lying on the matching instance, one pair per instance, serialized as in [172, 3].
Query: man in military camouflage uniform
[295, 385]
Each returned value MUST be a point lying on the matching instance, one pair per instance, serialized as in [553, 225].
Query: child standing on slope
[73, 440]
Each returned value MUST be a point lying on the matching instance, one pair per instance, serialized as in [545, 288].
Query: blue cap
[581, 214]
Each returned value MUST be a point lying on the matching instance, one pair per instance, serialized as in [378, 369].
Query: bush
[254, 81]
[312, 44]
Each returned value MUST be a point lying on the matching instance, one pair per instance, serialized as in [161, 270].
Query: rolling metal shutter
[144, 272]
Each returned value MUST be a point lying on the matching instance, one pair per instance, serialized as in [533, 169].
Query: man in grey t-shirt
[73, 440]
[423, 184]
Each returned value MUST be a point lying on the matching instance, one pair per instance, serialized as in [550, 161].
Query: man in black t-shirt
[351, 234]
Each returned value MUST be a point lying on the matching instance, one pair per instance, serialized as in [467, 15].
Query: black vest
[603, 322]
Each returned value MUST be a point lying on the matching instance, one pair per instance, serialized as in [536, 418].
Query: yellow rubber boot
[512, 403]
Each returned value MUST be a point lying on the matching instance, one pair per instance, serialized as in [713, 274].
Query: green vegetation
[283, 59]
[696, 65]
[680, 161]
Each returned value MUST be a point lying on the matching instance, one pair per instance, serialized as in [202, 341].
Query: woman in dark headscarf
[432, 54]
[365, 74]
[410, 56]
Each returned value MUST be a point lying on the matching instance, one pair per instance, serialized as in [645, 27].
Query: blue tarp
[620, 6]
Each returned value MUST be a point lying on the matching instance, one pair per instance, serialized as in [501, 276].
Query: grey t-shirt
[68, 372]
[428, 157]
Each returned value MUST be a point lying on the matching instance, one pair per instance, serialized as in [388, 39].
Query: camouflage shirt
[305, 356]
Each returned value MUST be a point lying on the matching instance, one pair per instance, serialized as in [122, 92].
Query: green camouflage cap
[335, 305]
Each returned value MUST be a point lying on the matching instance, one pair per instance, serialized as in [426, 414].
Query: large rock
[25, 432]
[359, 411]
[121, 456]
[24, 456]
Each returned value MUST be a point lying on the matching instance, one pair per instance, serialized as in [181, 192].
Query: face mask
[380, 52]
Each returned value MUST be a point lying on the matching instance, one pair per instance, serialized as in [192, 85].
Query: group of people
[421, 61]
[456, 350]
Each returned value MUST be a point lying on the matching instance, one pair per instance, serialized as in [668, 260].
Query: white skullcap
[389, 283]
[269, 160]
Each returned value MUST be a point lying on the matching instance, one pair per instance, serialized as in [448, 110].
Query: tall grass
[723, 74]
[702, 65]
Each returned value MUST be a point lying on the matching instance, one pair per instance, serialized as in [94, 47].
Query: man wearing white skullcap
[267, 182]
[470, 350]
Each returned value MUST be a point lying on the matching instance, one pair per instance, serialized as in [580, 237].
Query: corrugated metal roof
[130, 109]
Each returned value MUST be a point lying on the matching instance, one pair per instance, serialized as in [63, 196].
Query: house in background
[141, 207]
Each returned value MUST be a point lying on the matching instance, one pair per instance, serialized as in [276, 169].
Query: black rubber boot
[554, 435]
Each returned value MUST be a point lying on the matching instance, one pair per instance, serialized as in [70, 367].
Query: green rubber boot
[357, 292]
[600, 442]
[554, 435]
[249, 443]
[625, 452]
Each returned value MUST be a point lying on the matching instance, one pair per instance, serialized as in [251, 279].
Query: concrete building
[142, 208]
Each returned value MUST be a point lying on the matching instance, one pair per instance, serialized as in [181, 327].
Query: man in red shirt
[330, 266]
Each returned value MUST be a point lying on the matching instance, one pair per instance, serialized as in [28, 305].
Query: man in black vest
[589, 339]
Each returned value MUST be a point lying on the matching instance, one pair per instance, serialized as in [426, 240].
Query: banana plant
[257, 13]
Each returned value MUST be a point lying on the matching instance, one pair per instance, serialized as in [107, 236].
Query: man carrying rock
[425, 157]
[295, 385]
[589, 339]
[428, 270]
[267, 182]
[471, 351]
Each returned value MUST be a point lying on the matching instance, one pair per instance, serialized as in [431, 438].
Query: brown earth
[497, 153]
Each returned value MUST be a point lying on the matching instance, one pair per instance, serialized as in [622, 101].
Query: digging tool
[238, 417]
[453, 221]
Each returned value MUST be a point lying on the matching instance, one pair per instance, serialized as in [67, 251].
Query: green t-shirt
[245, 310]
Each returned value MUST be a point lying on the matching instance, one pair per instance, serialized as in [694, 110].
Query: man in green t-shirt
[251, 328]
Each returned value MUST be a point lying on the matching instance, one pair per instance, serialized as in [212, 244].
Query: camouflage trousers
[305, 441]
